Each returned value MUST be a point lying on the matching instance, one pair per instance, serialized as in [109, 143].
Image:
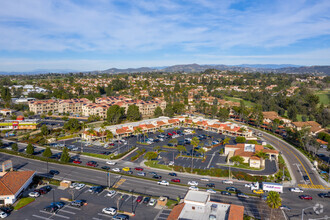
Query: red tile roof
[176, 211]
[11, 182]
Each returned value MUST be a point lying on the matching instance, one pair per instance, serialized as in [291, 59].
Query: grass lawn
[23, 202]
[155, 164]
[324, 96]
[233, 99]
[97, 155]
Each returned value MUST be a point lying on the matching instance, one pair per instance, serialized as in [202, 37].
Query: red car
[111, 144]
[139, 168]
[41, 191]
[139, 199]
[176, 180]
[91, 163]
[174, 132]
[77, 161]
[169, 134]
[306, 197]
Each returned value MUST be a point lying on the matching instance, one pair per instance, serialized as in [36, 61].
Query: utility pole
[109, 180]
[283, 177]
[132, 201]
[192, 159]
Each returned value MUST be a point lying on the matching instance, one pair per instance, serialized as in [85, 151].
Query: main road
[304, 174]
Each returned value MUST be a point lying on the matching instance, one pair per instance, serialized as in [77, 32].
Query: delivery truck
[276, 187]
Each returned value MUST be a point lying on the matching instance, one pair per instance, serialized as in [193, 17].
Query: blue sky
[100, 34]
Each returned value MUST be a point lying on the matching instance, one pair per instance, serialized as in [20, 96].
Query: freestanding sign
[8, 164]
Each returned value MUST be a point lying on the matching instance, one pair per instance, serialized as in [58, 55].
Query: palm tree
[225, 141]
[138, 131]
[274, 201]
[109, 135]
[262, 155]
[181, 148]
[194, 142]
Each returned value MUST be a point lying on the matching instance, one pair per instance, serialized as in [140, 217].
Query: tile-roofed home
[12, 184]
[313, 125]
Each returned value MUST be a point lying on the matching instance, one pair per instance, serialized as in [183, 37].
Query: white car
[111, 162]
[34, 194]
[193, 183]
[116, 170]
[74, 185]
[161, 139]
[193, 188]
[248, 185]
[296, 190]
[163, 182]
[111, 193]
[171, 163]
[227, 182]
[211, 191]
[205, 179]
[152, 202]
[109, 211]
[80, 186]
[3, 214]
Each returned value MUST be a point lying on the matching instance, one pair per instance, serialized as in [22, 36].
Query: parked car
[120, 217]
[248, 185]
[210, 185]
[111, 193]
[324, 195]
[46, 188]
[77, 203]
[225, 193]
[40, 191]
[97, 190]
[163, 182]
[54, 172]
[3, 214]
[139, 199]
[58, 204]
[51, 208]
[34, 194]
[126, 169]
[172, 174]
[176, 180]
[91, 163]
[73, 185]
[296, 190]
[80, 186]
[193, 183]
[109, 211]
[306, 197]
[152, 202]
[146, 200]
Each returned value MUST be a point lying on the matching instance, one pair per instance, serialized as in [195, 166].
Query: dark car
[146, 200]
[324, 195]
[40, 191]
[306, 178]
[130, 172]
[54, 172]
[47, 188]
[105, 168]
[120, 217]
[91, 163]
[97, 189]
[139, 199]
[157, 177]
[106, 153]
[172, 174]
[77, 203]
[225, 193]
[6, 209]
[152, 173]
[51, 208]
[210, 185]
[231, 189]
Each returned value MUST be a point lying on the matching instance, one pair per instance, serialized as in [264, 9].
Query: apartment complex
[86, 107]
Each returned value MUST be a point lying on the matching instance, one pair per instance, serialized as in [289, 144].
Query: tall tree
[158, 112]
[6, 95]
[14, 147]
[274, 201]
[237, 159]
[133, 113]
[65, 157]
[44, 130]
[194, 142]
[115, 114]
[47, 152]
[30, 149]
[181, 149]
[223, 114]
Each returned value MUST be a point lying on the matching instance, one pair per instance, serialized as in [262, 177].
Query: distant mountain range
[189, 68]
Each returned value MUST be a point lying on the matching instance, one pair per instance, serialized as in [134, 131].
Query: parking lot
[91, 210]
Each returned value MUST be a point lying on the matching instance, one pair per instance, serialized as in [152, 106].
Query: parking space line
[61, 216]
[96, 218]
[109, 216]
[38, 216]
[45, 212]
[61, 210]
[127, 198]
[71, 207]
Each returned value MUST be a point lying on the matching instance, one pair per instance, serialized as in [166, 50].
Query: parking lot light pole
[303, 210]
[109, 180]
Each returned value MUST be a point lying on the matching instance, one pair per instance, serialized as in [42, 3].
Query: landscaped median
[23, 202]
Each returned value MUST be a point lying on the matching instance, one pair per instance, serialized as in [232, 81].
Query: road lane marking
[311, 186]
[121, 181]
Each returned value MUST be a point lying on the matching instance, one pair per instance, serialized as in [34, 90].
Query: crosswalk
[121, 181]
[310, 186]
